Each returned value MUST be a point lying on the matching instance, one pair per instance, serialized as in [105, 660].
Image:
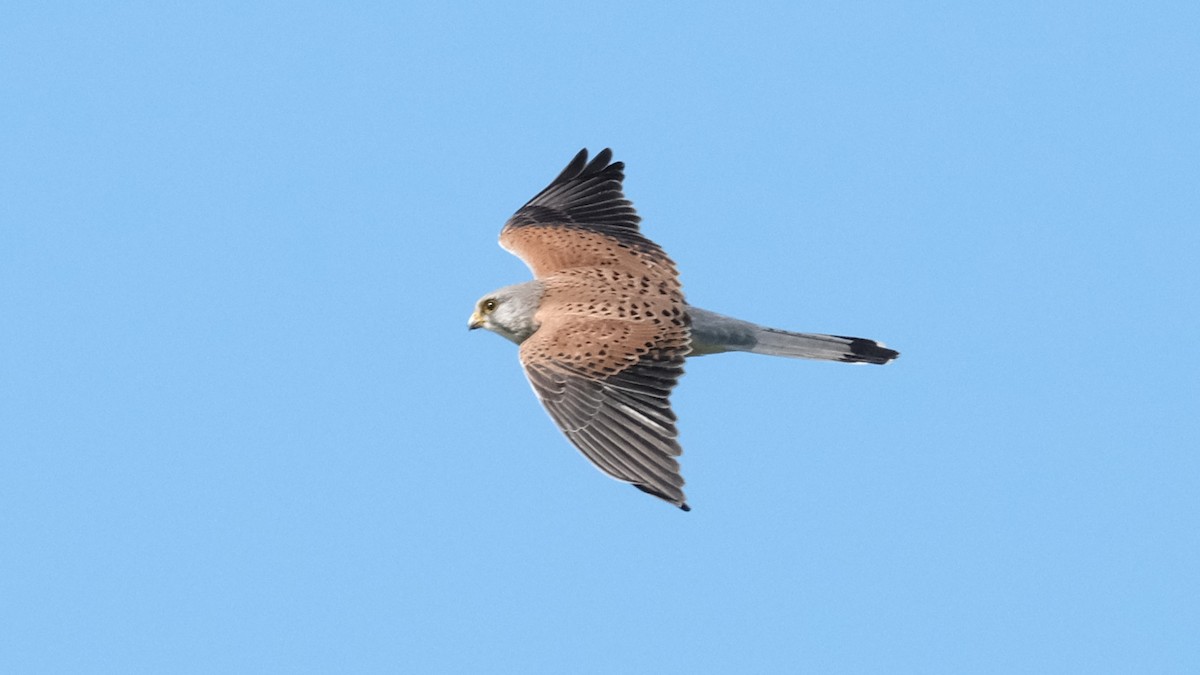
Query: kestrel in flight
[604, 328]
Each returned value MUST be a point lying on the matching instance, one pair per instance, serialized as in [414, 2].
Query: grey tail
[714, 333]
[815, 346]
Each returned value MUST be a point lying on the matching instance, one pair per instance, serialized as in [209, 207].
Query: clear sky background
[243, 427]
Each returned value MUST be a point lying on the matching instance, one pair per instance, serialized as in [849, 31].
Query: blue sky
[243, 427]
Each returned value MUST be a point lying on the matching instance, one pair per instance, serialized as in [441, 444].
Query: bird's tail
[713, 333]
[815, 346]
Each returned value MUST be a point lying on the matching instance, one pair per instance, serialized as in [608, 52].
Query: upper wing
[607, 383]
[582, 218]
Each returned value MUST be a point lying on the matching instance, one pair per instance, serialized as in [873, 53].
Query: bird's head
[509, 311]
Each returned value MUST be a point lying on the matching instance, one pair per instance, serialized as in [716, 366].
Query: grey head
[509, 311]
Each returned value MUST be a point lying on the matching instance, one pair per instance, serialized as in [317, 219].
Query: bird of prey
[604, 328]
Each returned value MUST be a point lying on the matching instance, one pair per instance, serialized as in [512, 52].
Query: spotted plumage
[604, 327]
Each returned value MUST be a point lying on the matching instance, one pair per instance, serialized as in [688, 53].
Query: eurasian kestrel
[604, 327]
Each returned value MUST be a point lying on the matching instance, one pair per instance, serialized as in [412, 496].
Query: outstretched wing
[580, 219]
[607, 384]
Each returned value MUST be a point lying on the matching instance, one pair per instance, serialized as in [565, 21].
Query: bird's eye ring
[489, 305]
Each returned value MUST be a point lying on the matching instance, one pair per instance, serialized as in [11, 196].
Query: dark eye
[489, 305]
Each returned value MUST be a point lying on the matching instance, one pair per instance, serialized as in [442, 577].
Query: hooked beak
[475, 322]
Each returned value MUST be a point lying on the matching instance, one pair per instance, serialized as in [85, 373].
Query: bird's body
[604, 327]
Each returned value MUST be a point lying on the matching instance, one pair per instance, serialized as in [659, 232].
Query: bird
[603, 328]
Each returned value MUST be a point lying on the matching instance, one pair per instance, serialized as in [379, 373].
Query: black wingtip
[666, 498]
[600, 161]
[573, 168]
[580, 168]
